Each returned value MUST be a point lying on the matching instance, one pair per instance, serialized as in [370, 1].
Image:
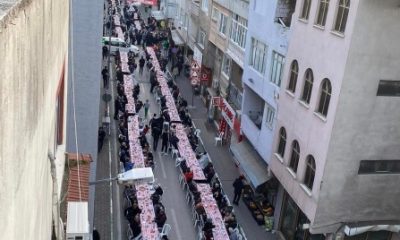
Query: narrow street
[109, 212]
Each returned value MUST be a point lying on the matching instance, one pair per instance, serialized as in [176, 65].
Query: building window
[325, 97]
[388, 88]
[342, 14]
[60, 109]
[226, 66]
[222, 23]
[310, 172]
[204, 5]
[305, 11]
[322, 12]
[215, 14]
[201, 38]
[269, 120]
[294, 72]
[277, 66]
[308, 84]
[373, 235]
[238, 30]
[257, 55]
[379, 167]
[282, 142]
[294, 158]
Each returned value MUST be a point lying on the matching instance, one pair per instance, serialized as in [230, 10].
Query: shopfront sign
[226, 110]
[206, 74]
[145, 2]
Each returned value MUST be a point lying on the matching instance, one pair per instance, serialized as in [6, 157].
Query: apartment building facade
[335, 148]
[34, 52]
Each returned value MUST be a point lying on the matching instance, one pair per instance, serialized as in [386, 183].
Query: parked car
[118, 43]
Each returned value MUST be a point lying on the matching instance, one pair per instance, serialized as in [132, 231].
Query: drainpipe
[56, 207]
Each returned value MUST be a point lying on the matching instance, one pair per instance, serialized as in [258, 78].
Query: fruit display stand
[258, 206]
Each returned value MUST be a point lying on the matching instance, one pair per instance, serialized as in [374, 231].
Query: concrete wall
[33, 50]
[366, 126]
[261, 26]
[85, 58]
[325, 53]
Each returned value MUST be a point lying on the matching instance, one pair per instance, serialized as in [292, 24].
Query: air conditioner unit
[77, 221]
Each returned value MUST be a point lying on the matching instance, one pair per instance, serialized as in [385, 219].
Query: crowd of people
[147, 33]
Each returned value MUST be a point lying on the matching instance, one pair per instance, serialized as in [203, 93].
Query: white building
[336, 144]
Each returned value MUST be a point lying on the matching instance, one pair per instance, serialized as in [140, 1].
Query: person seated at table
[218, 197]
[158, 207]
[155, 198]
[216, 187]
[188, 175]
[130, 193]
[201, 211]
[183, 166]
[196, 197]
[173, 140]
[209, 172]
[192, 187]
[145, 129]
[135, 226]
[207, 229]
[160, 218]
[132, 211]
[230, 221]
[233, 234]
[158, 189]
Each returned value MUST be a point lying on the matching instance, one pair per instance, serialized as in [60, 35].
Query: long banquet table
[147, 216]
[185, 150]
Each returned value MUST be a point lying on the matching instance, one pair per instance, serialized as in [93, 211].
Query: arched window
[294, 158]
[305, 11]
[294, 71]
[310, 172]
[308, 84]
[282, 142]
[322, 12]
[342, 14]
[325, 97]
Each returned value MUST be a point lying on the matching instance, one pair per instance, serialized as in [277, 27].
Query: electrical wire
[73, 98]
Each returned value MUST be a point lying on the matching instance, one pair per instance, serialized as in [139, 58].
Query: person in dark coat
[95, 234]
[155, 132]
[238, 186]
[164, 142]
[104, 73]
[141, 65]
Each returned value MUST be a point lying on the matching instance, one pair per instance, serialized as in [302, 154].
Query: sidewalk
[222, 160]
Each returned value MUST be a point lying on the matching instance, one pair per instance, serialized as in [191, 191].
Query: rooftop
[5, 6]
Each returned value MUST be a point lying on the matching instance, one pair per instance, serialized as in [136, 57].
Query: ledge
[291, 172]
[319, 27]
[304, 104]
[288, 92]
[306, 189]
[303, 20]
[337, 34]
[320, 116]
[279, 157]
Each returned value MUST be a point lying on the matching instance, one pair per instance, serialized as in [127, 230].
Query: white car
[118, 43]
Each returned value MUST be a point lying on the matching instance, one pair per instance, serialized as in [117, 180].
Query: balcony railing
[195, 8]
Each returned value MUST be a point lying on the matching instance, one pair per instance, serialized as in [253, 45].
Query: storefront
[293, 222]
[260, 193]
[225, 115]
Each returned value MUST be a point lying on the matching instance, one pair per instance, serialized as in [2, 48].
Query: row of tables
[186, 152]
[143, 191]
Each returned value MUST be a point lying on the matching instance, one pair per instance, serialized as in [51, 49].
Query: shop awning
[251, 163]
[176, 38]
[355, 230]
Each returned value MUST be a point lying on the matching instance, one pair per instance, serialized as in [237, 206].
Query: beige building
[33, 51]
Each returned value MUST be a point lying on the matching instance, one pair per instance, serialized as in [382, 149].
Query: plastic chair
[197, 133]
[174, 153]
[219, 139]
[178, 161]
[165, 230]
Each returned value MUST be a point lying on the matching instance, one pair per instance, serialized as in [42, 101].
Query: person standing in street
[141, 65]
[164, 142]
[104, 73]
[105, 51]
[238, 188]
[155, 132]
[146, 108]
[95, 234]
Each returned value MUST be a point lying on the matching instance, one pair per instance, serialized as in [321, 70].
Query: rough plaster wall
[33, 47]
[366, 126]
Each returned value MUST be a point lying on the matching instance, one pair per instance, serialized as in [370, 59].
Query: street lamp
[135, 175]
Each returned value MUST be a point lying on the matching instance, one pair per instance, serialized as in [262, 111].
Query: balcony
[250, 129]
[284, 12]
[195, 8]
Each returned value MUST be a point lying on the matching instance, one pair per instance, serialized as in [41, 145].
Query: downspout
[55, 202]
